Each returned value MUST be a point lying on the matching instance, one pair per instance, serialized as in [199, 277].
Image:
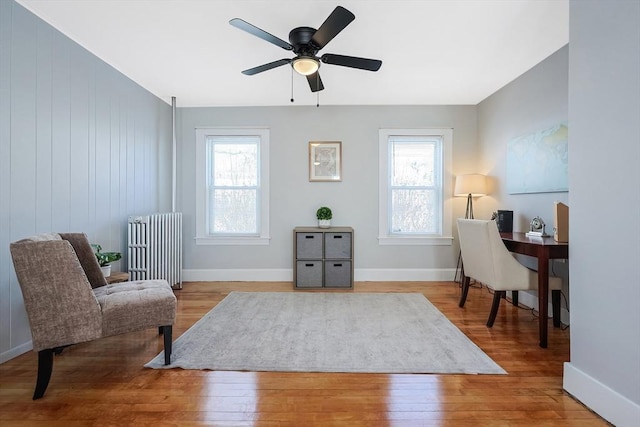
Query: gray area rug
[327, 332]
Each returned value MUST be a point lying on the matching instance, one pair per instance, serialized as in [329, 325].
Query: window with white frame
[232, 186]
[414, 183]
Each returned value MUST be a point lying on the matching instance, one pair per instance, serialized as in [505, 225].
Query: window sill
[414, 241]
[229, 241]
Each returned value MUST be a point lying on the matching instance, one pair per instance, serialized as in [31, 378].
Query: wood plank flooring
[103, 383]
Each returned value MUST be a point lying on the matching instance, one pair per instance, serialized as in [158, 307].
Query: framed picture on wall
[325, 161]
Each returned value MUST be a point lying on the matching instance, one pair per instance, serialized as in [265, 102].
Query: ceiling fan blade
[252, 29]
[352, 62]
[336, 22]
[315, 82]
[265, 67]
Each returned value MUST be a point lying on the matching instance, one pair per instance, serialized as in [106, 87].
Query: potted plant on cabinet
[105, 259]
[324, 216]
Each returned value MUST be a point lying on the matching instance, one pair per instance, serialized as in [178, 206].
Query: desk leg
[543, 294]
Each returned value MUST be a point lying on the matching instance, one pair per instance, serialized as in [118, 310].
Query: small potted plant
[105, 259]
[324, 216]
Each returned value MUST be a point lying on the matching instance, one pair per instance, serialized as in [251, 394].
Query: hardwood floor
[104, 383]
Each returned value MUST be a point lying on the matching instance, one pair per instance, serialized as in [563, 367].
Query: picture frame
[325, 161]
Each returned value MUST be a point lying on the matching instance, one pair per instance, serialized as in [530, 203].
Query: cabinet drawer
[337, 245]
[309, 245]
[337, 274]
[309, 274]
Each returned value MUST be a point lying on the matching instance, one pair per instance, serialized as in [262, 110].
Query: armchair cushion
[131, 306]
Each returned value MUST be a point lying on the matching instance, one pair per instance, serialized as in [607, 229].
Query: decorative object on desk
[504, 221]
[105, 259]
[325, 161]
[561, 222]
[538, 163]
[324, 216]
[470, 186]
[537, 228]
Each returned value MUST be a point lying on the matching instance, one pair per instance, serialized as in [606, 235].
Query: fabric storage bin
[337, 245]
[337, 274]
[309, 245]
[309, 274]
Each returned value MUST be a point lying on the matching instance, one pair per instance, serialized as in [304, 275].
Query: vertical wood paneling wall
[82, 147]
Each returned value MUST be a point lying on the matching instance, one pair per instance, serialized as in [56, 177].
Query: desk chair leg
[167, 332]
[514, 298]
[45, 367]
[465, 290]
[555, 307]
[459, 266]
[497, 296]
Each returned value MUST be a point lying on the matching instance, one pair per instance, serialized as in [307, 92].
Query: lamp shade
[474, 184]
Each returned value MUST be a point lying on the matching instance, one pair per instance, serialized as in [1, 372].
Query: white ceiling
[433, 52]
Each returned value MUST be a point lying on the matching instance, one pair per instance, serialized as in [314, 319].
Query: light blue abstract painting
[539, 163]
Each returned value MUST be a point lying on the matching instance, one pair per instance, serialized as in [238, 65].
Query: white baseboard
[531, 300]
[238, 275]
[404, 274]
[16, 351]
[607, 403]
[286, 275]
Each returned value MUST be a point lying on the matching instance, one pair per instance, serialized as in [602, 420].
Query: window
[232, 199]
[414, 179]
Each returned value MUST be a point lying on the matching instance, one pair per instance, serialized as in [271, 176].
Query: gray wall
[535, 101]
[294, 199]
[604, 116]
[81, 148]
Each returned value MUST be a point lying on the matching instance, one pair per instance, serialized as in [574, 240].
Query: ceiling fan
[305, 42]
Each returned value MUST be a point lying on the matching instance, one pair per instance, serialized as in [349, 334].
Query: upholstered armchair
[68, 300]
[488, 261]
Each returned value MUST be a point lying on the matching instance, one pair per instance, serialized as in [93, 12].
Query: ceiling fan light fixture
[305, 65]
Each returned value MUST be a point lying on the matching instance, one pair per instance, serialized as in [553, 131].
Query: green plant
[105, 258]
[324, 213]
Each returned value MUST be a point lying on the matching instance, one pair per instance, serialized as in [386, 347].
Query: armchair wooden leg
[465, 290]
[555, 307]
[497, 296]
[167, 332]
[45, 367]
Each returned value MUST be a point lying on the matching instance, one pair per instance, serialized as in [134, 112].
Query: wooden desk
[544, 249]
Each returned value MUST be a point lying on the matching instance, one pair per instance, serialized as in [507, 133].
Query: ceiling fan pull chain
[318, 92]
[292, 84]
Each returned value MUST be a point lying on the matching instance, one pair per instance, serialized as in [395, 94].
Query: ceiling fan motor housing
[300, 39]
